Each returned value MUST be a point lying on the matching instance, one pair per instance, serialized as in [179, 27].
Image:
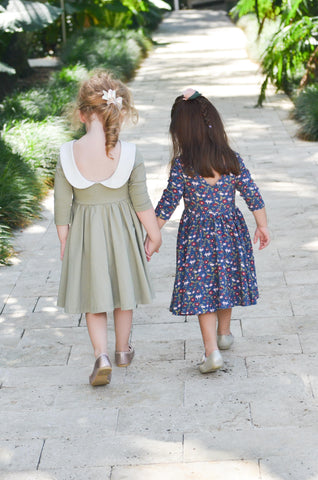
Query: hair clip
[191, 94]
[110, 97]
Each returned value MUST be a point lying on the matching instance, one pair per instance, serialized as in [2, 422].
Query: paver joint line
[160, 418]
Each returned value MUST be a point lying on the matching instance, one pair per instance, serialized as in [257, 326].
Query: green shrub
[20, 190]
[120, 51]
[5, 244]
[72, 75]
[306, 112]
[37, 103]
[38, 144]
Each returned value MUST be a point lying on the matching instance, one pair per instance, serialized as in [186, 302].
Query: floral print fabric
[215, 264]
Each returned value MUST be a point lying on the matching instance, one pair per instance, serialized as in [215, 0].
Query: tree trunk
[311, 74]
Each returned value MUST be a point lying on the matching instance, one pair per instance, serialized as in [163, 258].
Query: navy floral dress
[215, 264]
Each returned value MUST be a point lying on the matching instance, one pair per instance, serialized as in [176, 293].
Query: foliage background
[108, 34]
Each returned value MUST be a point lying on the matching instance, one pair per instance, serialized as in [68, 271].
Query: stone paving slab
[249, 444]
[233, 470]
[20, 454]
[301, 467]
[256, 418]
[61, 422]
[111, 450]
[27, 475]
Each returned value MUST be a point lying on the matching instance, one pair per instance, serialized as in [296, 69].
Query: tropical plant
[291, 58]
[113, 14]
[263, 9]
[18, 16]
[286, 60]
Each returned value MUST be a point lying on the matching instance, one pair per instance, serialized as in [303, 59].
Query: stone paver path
[160, 418]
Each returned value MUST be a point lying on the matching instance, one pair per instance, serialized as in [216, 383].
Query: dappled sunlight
[29, 475]
[311, 246]
[160, 418]
[6, 455]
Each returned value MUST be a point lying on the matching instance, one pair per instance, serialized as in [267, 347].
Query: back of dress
[104, 265]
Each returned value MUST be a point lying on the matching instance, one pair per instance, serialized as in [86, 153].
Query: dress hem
[102, 309]
[215, 309]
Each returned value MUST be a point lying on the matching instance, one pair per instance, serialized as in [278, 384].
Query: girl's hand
[62, 249]
[62, 231]
[262, 234]
[151, 247]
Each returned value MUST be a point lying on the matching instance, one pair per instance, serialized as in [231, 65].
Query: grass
[38, 144]
[20, 192]
[5, 244]
[306, 112]
[40, 102]
[120, 51]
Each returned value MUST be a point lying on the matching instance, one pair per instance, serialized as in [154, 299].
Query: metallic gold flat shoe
[102, 372]
[123, 359]
[225, 341]
[211, 363]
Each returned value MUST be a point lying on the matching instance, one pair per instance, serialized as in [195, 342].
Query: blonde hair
[90, 101]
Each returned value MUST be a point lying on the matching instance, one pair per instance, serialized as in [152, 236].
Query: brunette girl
[215, 265]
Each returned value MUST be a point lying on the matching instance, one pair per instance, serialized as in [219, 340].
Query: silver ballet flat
[102, 372]
[225, 341]
[123, 359]
[211, 363]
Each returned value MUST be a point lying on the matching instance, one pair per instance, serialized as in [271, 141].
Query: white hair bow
[110, 97]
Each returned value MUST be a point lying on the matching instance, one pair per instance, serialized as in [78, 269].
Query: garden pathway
[160, 418]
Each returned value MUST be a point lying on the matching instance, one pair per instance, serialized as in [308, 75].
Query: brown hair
[199, 138]
[90, 101]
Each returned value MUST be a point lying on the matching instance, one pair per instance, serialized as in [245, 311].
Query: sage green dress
[104, 265]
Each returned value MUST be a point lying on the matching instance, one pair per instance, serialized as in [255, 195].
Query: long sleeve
[138, 187]
[63, 195]
[172, 195]
[248, 188]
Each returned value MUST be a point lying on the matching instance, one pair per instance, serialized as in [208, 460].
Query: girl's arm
[62, 232]
[261, 232]
[251, 194]
[63, 195]
[161, 222]
[172, 194]
[149, 248]
[153, 240]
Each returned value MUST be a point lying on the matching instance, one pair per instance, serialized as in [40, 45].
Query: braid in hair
[199, 138]
[206, 114]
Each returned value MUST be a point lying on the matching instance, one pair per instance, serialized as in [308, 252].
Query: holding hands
[151, 246]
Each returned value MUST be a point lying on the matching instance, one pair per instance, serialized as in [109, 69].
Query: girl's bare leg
[208, 330]
[224, 321]
[123, 322]
[97, 329]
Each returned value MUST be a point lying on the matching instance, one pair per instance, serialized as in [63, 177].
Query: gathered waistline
[106, 202]
[214, 212]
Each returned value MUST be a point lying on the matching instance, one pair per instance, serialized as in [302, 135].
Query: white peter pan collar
[117, 180]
